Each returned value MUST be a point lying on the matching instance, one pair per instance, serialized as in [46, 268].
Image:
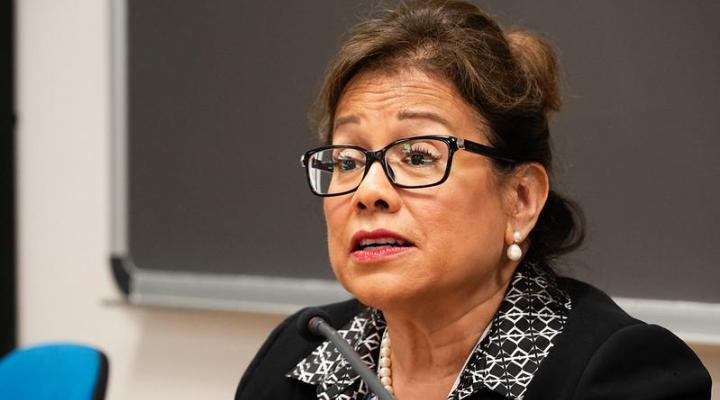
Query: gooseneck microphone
[313, 322]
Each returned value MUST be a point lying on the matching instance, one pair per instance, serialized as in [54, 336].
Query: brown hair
[511, 79]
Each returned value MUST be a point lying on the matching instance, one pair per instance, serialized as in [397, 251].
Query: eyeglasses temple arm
[483, 150]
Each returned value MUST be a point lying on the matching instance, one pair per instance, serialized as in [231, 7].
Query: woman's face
[454, 233]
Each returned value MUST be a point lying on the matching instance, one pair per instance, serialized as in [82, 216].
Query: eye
[417, 155]
[346, 162]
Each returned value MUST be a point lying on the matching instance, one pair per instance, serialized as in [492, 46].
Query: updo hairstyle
[510, 78]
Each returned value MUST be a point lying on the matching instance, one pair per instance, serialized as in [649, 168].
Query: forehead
[374, 95]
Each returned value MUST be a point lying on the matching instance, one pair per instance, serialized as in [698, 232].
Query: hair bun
[538, 61]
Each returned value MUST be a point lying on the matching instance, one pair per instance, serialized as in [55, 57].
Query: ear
[528, 191]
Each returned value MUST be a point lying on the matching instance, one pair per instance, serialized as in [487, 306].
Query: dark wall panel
[8, 309]
[218, 95]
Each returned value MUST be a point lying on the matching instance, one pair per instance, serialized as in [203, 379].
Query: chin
[378, 290]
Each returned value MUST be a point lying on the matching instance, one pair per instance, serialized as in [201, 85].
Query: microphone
[313, 322]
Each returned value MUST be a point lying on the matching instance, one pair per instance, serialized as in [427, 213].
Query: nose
[376, 192]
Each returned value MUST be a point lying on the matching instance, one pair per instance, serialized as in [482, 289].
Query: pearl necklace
[384, 364]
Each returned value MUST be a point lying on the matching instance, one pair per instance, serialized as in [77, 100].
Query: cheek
[467, 222]
[336, 218]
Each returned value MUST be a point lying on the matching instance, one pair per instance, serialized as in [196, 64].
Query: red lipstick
[378, 245]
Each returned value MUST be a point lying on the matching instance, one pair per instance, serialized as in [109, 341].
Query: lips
[373, 246]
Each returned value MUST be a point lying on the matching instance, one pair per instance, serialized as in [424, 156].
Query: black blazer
[603, 353]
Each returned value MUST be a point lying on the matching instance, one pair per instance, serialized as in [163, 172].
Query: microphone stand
[317, 324]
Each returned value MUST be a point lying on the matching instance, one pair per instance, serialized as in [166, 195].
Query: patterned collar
[531, 315]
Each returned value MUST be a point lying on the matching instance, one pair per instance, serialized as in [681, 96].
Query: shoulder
[603, 353]
[282, 350]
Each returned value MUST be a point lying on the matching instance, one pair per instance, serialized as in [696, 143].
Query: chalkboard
[210, 107]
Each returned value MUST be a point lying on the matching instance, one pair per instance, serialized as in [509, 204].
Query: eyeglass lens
[410, 163]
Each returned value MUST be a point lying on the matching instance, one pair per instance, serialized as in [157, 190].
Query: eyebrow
[348, 119]
[408, 114]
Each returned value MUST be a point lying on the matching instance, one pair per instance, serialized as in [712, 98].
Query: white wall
[66, 291]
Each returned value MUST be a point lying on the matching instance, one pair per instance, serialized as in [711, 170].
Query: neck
[432, 340]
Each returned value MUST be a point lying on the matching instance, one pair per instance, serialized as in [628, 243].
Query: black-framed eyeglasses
[413, 163]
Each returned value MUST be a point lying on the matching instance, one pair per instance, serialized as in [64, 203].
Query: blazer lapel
[532, 314]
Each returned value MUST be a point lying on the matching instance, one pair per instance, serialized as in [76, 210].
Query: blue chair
[54, 371]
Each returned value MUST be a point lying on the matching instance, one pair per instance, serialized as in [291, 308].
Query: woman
[442, 222]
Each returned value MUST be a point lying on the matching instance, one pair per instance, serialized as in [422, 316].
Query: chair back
[54, 371]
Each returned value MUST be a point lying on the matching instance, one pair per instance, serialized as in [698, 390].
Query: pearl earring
[514, 252]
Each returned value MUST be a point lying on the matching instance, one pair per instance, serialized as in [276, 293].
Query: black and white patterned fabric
[532, 314]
